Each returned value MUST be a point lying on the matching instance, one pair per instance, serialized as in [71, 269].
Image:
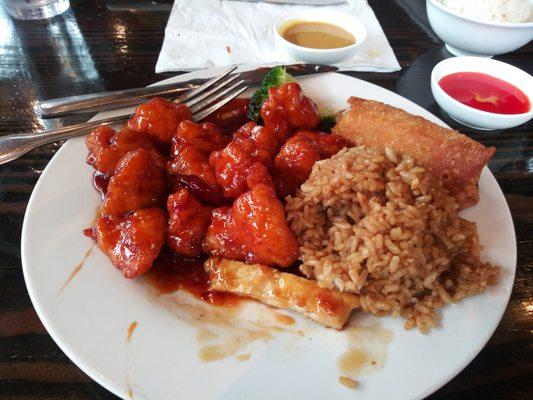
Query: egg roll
[447, 154]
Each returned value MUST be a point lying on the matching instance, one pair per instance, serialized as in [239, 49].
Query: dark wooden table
[106, 45]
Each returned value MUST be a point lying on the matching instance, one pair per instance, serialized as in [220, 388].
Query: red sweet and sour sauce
[485, 93]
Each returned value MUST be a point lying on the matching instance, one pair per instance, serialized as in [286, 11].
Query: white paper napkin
[215, 33]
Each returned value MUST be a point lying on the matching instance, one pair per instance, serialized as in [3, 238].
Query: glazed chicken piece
[286, 108]
[192, 161]
[188, 222]
[107, 147]
[191, 146]
[254, 230]
[204, 137]
[262, 136]
[159, 118]
[298, 155]
[98, 140]
[230, 116]
[240, 166]
[134, 241]
[138, 183]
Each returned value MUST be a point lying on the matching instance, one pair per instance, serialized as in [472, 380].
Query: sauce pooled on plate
[486, 93]
[316, 34]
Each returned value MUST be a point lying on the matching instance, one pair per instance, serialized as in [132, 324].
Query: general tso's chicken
[192, 161]
[279, 289]
[107, 147]
[138, 183]
[134, 241]
[204, 137]
[298, 155]
[262, 136]
[287, 108]
[240, 166]
[188, 222]
[254, 230]
[230, 116]
[159, 118]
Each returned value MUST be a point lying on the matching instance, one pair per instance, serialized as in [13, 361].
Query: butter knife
[122, 98]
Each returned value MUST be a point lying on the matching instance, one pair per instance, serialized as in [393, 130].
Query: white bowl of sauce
[319, 36]
[483, 93]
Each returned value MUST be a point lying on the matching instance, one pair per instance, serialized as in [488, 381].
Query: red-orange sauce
[486, 93]
[231, 116]
[172, 272]
[200, 190]
[90, 233]
[100, 183]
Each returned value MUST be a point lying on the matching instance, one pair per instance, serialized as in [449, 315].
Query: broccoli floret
[276, 77]
[327, 120]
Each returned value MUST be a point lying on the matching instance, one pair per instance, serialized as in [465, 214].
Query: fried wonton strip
[279, 289]
[447, 154]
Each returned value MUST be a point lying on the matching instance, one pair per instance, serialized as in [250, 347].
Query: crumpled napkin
[216, 33]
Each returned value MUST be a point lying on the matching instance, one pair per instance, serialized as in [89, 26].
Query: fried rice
[374, 223]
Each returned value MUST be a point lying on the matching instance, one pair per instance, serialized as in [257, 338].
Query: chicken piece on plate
[280, 289]
[204, 193]
[159, 118]
[107, 147]
[192, 161]
[99, 139]
[134, 241]
[262, 136]
[296, 158]
[188, 222]
[287, 108]
[254, 230]
[204, 137]
[240, 166]
[230, 116]
[138, 183]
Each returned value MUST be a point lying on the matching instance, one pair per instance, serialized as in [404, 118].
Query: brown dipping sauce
[316, 34]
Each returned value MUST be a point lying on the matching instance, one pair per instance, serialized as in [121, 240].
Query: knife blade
[123, 98]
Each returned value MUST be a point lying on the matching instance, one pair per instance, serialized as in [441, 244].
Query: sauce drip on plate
[316, 35]
[485, 92]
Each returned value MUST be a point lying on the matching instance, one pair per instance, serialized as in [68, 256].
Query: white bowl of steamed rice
[481, 27]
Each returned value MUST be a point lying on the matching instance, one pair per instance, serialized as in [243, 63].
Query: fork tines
[213, 94]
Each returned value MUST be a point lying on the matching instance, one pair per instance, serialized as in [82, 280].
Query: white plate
[89, 318]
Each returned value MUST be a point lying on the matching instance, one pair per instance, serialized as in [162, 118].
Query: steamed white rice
[492, 10]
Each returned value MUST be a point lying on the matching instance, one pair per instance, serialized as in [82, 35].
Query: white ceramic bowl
[465, 36]
[321, 56]
[470, 116]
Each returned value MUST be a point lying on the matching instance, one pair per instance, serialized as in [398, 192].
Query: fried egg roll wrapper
[447, 154]
[280, 289]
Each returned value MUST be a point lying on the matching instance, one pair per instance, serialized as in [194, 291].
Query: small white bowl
[321, 56]
[472, 117]
[465, 36]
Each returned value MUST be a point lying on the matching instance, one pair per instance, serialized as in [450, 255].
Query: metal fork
[202, 101]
